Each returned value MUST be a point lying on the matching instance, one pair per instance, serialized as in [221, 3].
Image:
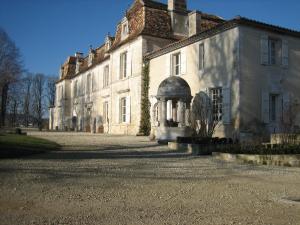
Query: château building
[249, 70]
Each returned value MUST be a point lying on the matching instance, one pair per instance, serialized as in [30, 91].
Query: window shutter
[201, 57]
[168, 64]
[128, 66]
[183, 61]
[118, 67]
[117, 114]
[226, 106]
[286, 98]
[285, 53]
[265, 101]
[264, 51]
[128, 109]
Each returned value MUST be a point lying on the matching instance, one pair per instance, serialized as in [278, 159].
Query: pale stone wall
[257, 79]
[220, 70]
[129, 87]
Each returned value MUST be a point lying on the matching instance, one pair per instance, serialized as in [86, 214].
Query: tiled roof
[145, 17]
[220, 28]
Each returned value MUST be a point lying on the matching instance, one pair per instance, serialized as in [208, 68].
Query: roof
[174, 87]
[145, 17]
[220, 28]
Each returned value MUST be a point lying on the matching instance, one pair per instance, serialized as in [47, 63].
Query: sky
[48, 31]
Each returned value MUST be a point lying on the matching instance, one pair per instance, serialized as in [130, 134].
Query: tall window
[273, 107]
[272, 52]
[105, 112]
[75, 90]
[88, 84]
[123, 109]
[217, 103]
[176, 64]
[125, 29]
[201, 56]
[106, 76]
[123, 65]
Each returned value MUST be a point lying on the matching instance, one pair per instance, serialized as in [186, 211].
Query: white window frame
[124, 29]
[216, 95]
[106, 76]
[201, 56]
[75, 89]
[176, 65]
[88, 83]
[272, 51]
[105, 112]
[123, 109]
[123, 65]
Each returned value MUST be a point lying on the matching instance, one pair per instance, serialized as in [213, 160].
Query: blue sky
[47, 31]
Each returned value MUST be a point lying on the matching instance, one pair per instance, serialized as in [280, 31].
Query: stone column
[174, 111]
[181, 113]
[187, 115]
[163, 112]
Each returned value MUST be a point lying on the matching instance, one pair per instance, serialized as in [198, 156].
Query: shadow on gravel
[109, 154]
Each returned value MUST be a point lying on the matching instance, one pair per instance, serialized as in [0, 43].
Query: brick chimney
[177, 5]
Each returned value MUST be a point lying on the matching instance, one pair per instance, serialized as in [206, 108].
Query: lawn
[12, 145]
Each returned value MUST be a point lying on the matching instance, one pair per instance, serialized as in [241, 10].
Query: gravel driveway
[106, 179]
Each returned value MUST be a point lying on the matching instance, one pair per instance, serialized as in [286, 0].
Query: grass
[13, 145]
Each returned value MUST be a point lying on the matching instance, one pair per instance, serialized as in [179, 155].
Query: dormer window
[61, 72]
[125, 29]
[77, 67]
[78, 56]
[108, 42]
[91, 56]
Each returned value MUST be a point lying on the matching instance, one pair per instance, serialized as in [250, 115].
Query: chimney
[194, 23]
[78, 55]
[177, 5]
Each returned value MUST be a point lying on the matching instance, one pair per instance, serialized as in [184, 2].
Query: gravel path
[105, 179]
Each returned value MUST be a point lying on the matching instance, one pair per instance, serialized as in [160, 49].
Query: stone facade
[101, 92]
[228, 60]
[240, 63]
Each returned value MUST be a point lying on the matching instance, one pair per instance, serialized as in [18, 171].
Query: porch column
[187, 117]
[174, 111]
[181, 114]
[163, 112]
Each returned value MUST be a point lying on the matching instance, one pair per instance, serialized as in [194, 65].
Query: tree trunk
[3, 104]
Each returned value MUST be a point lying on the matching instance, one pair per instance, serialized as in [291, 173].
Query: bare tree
[50, 90]
[202, 121]
[10, 69]
[14, 103]
[38, 98]
[288, 122]
[26, 94]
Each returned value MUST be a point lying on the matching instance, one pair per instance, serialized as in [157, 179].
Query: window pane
[217, 101]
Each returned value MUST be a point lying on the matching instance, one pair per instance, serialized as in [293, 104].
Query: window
[106, 76]
[94, 82]
[273, 106]
[77, 69]
[105, 112]
[272, 52]
[217, 103]
[201, 56]
[88, 84]
[176, 64]
[75, 89]
[125, 29]
[123, 110]
[90, 60]
[123, 65]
